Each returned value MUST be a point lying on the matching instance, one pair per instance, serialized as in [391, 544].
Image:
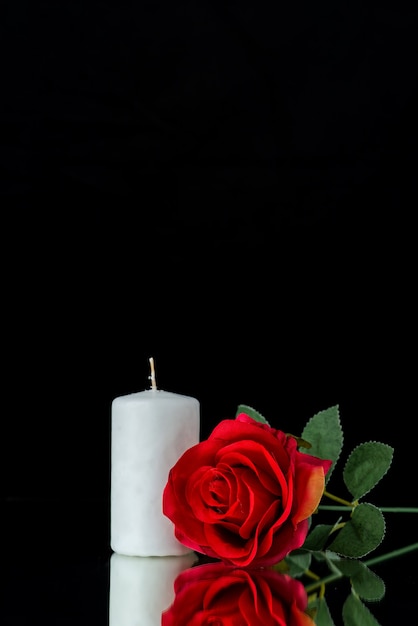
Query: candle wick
[152, 377]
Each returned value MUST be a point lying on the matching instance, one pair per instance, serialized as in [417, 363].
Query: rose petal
[263, 462]
[310, 484]
[230, 431]
[281, 543]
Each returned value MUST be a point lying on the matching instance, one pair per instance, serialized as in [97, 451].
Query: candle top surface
[153, 395]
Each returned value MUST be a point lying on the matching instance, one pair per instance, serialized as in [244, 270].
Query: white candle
[142, 588]
[150, 431]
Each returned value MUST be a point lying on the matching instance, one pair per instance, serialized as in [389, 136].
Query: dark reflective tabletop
[60, 570]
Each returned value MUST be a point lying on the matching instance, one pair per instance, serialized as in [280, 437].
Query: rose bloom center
[237, 494]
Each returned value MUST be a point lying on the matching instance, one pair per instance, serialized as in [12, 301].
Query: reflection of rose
[216, 593]
[245, 494]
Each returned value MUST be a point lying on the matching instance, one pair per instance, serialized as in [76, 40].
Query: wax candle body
[150, 430]
[142, 588]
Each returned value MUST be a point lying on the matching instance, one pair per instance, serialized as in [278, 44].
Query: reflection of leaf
[248, 410]
[365, 466]
[356, 613]
[324, 433]
[362, 533]
[298, 563]
[322, 614]
[365, 583]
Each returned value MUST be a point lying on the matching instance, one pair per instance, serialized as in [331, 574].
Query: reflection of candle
[142, 588]
[150, 431]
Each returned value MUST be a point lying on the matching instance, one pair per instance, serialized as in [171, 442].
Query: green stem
[377, 559]
[391, 555]
[384, 509]
[338, 499]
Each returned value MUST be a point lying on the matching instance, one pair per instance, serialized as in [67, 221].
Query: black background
[227, 187]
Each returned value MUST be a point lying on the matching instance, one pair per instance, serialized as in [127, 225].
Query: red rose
[216, 593]
[245, 494]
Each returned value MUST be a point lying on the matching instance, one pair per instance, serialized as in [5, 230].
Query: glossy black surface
[57, 561]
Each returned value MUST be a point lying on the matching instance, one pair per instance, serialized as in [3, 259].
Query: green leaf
[298, 563]
[317, 537]
[356, 613]
[323, 431]
[362, 533]
[365, 583]
[366, 465]
[322, 615]
[349, 567]
[332, 559]
[248, 410]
